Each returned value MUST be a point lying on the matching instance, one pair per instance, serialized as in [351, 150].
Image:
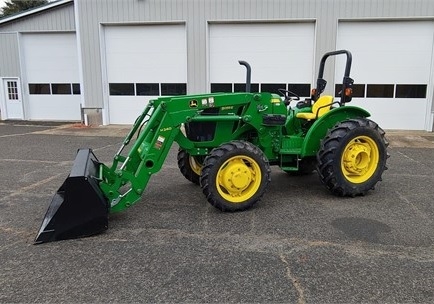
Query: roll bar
[347, 81]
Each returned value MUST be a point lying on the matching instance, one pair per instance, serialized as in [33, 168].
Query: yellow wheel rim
[238, 179]
[195, 165]
[360, 159]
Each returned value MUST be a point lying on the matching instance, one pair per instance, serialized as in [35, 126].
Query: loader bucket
[78, 208]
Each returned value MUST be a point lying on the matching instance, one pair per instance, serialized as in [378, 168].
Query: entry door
[13, 102]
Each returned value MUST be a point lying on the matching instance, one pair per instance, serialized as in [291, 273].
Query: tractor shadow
[361, 229]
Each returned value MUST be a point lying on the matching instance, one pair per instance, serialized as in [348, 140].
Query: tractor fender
[320, 127]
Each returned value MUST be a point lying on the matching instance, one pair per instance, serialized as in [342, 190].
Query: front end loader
[227, 143]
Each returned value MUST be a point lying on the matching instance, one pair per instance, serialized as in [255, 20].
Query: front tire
[190, 166]
[352, 157]
[235, 176]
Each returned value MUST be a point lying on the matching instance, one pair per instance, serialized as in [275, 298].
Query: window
[170, 89]
[61, 88]
[121, 89]
[358, 90]
[272, 87]
[54, 88]
[241, 87]
[380, 90]
[76, 89]
[410, 91]
[148, 89]
[12, 87]
[39, 88]
[301, 89]
[221, 87]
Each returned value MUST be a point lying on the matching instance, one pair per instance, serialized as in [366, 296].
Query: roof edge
[34, 11]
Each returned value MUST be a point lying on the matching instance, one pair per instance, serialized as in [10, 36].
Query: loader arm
[124, 182]
[159, 125]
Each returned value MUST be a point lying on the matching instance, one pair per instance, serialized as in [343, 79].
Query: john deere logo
[193, 103]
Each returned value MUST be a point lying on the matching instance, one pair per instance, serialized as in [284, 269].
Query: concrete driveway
[300, 244]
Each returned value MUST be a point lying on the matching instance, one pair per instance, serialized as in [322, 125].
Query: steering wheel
[289, 96]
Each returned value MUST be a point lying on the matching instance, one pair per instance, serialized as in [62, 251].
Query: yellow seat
[319, 108]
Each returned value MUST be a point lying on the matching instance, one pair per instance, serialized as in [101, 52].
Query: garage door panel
[50, 57]
[405, 70]
[128, 75]
[167, 61]
[274, 69]
[382, 111]
[277, 52]
[46, 107]
[139, 53]
[124, 110]
[399, 50]
[167, 71]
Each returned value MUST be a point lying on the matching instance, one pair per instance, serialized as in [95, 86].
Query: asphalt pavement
[300, 244]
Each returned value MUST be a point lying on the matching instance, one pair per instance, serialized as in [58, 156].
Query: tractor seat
[319, 108]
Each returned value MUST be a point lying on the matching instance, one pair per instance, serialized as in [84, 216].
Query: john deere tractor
[227, 144]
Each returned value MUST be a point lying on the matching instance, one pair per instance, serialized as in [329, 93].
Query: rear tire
[352, 157]
[235, 176]
[190, 166]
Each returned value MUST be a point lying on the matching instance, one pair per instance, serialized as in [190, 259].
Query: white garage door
[281, 56]
[392, 69]
[52, 78]
[143, 62]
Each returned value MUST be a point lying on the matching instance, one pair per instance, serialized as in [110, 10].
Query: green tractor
[227, 143]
